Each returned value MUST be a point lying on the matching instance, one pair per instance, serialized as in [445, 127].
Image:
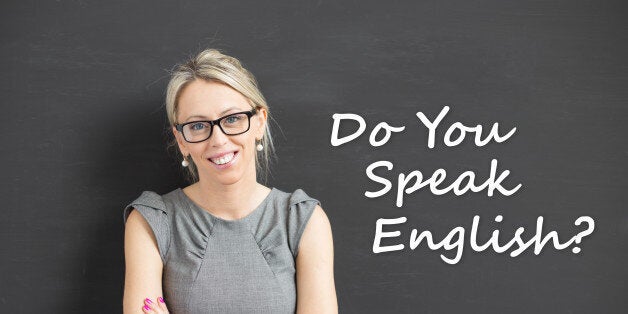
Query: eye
[197, 126]
[233, 119]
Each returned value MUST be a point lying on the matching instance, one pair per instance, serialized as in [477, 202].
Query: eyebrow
[206, 118]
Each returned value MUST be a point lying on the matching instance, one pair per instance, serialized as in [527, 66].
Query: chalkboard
[84, 132]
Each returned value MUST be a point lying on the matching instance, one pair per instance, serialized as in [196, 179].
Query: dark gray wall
[83, 131]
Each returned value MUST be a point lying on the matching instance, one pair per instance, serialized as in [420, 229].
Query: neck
[231, 201]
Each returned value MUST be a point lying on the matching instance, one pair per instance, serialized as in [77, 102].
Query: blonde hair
[212, 65]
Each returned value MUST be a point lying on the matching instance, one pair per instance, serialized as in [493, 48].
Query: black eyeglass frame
[249, 114]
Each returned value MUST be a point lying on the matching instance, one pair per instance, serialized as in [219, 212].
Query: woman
[226, 243]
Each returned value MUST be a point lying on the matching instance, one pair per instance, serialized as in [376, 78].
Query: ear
[262, 118]
[180, 141]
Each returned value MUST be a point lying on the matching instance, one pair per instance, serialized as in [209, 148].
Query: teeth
[224, 159]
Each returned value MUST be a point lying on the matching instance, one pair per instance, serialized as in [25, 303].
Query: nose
[217, 138]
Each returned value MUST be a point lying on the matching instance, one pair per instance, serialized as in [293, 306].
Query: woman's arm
[316, 292]
[143, 266]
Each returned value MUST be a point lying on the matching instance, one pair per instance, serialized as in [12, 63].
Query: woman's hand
[155, 307]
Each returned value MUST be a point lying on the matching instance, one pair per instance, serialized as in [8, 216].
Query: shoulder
[147, 219]
[301, 211]
[143, 221]
[150, 202]
[297, 206]
[295, 200]
[299, 200]
[147, 199]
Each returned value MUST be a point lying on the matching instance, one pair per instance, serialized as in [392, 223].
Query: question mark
[582, 234]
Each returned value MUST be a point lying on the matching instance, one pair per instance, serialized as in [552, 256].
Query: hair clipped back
[212, 65]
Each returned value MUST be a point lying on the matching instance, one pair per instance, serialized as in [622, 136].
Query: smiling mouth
[224, 159]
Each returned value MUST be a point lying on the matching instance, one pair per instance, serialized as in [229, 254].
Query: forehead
[209, 99]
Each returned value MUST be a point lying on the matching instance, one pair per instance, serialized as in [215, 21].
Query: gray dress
[212, 265]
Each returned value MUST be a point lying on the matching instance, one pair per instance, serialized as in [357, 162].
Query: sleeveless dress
[212, 265]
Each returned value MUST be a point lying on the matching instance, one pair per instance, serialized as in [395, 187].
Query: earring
[185, 162]
[259, 147]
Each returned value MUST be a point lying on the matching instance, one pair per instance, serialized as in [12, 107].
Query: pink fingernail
[161, 300]
[148, 301]
[146, 307]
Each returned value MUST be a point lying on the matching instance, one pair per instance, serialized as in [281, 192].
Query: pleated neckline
[198, 208]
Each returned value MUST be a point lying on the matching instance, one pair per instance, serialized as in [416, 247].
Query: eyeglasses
[233, 124]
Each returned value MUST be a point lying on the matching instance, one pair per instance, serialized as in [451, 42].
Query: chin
[224, 178]
[228, 179]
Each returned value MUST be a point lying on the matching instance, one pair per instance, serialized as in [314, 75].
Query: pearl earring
[185, 163]
[259, 147]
